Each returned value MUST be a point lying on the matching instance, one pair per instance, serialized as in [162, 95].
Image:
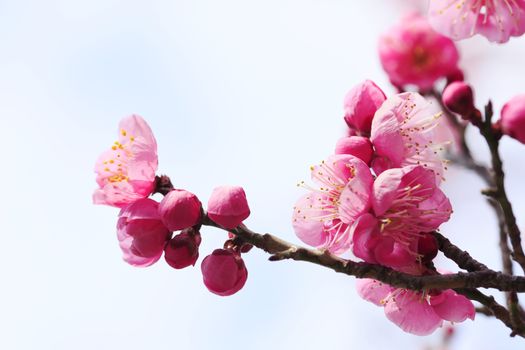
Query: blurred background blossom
[236, 92]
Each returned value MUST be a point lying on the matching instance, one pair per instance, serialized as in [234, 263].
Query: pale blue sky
[237, 92]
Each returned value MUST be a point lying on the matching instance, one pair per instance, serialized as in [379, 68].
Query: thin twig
[500, 194]
[460, 257]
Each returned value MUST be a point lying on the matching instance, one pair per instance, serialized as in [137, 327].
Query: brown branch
[496, 309]
[460, 257]
[281, 250]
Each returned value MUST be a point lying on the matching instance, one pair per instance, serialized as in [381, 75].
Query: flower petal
[373, 291]
[453, 307]
[412, 313]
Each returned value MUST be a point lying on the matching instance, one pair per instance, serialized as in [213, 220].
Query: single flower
[406, 205]
[322, 218]
[415, 312]
[406, 131]
[412, 53]
[126, 172]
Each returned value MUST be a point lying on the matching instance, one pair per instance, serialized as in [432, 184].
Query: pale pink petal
[434, 211]
[453, 307]
[126, 172]
[497, 20]
[412, 313]
[355, 198]
[373, 291]
[406, 131]
[307, 219]
[336, 170]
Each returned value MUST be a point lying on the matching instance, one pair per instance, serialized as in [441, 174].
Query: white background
[237, 92]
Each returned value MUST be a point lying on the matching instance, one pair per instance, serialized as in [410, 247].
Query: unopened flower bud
[427, 247]
[141, 233]
[455, 75]
[459, 98]
[512, 119]
[360, 104]
[228, 206]
[357, 146]
[179, 210]
[183, 249]
[224, 272]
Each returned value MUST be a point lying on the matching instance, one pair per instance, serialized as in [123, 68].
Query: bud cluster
[147, 229]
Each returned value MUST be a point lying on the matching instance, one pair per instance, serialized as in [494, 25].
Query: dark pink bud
[183, 249]
[427, 247]
[179, 210]
[459, 98]
[228, 206]
[361, 103]
[224, 272]
[358, 146]
[455, 75]
[512, 119]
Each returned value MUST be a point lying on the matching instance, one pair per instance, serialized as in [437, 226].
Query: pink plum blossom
[180, 209]
[497, 20]
[406, 131]
[322, 218]
[228, 206]
[406, 205]
[412, 53]
[224, 272]
[140, 232]
[415, 312]
[360, 104]
[512, 119]
[126, 172]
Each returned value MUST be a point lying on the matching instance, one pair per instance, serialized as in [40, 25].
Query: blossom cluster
[378, 197]
[145, 228]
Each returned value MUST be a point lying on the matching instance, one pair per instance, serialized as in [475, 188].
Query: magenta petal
[357, 146]
[228, 206]
[389, 253]
[385, 189]
[141, 209]
[412, 313]
[453, 307]
[364, 234]
[373, 291]
[360, 104]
